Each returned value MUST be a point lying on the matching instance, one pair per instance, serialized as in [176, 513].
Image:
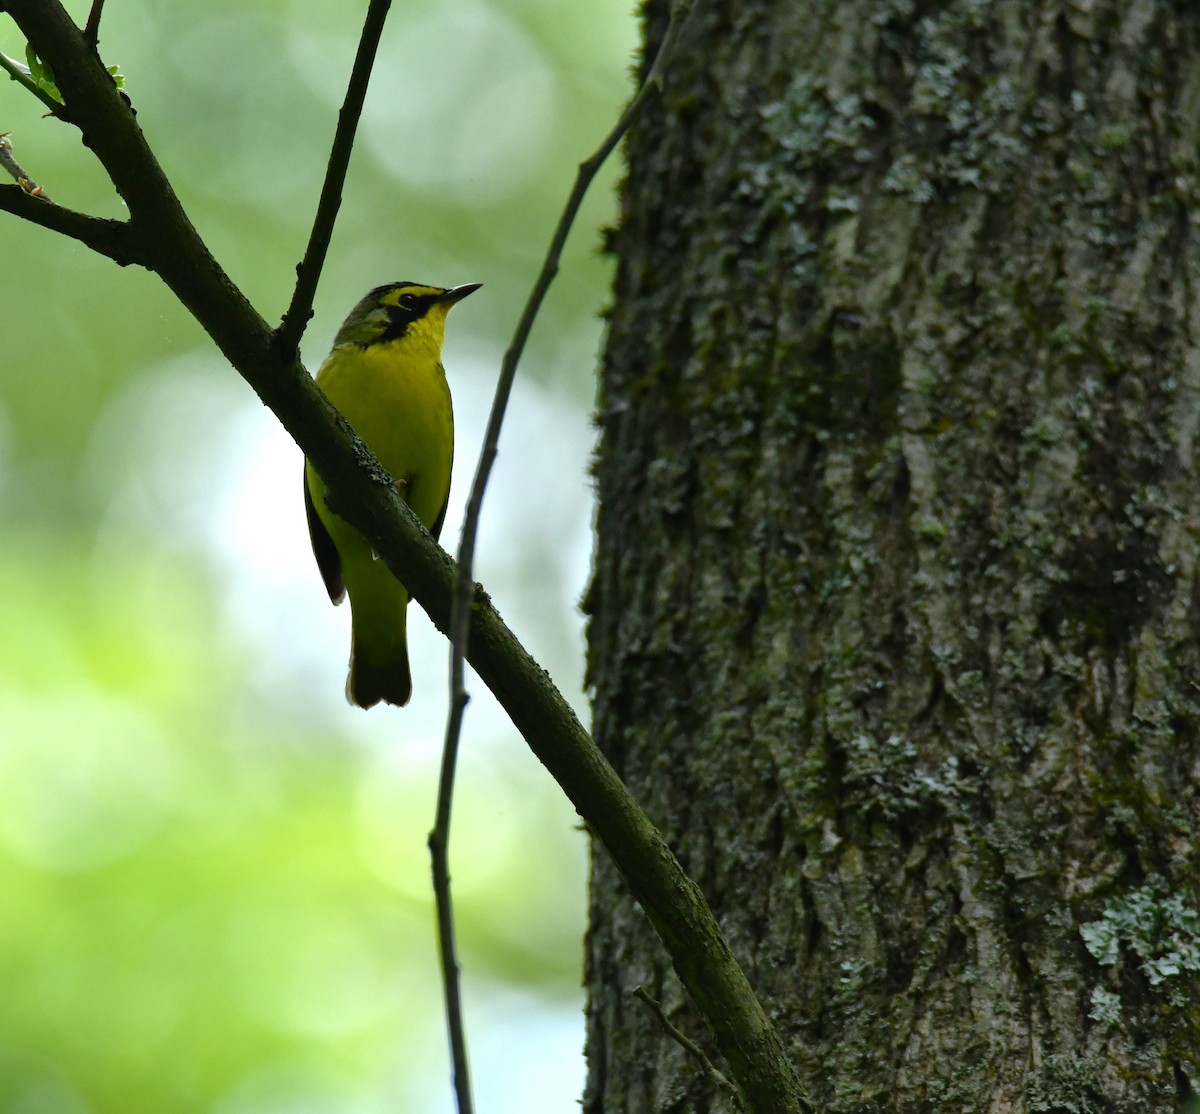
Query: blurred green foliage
[213, 879]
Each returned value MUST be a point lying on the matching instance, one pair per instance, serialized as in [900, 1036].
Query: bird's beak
[458, 293]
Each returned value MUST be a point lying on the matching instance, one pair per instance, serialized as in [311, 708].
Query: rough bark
[895, 609]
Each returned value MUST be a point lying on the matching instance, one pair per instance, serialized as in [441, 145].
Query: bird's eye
[407, 301]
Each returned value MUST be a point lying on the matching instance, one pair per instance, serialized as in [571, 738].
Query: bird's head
[407, 312]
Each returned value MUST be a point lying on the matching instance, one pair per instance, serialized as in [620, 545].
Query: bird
[384, 375]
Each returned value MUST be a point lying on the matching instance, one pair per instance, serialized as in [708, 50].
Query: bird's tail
[379, 660]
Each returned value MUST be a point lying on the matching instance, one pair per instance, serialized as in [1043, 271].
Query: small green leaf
[42, 74]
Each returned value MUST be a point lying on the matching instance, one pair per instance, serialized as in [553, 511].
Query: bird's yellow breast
[396, 397]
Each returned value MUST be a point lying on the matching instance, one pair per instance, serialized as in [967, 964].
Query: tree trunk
[895, 610]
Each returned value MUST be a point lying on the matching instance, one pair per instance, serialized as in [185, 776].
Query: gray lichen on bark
[894, 618]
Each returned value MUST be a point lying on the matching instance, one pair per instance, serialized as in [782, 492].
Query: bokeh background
[214, 887]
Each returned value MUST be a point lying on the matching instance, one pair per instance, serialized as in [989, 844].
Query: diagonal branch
[308, 271]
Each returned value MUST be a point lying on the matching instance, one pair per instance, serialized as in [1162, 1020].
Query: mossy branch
[167, 243]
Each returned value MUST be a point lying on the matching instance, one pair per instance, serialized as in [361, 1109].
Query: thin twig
[9, 162]
[447, 950]
[439, 838]
[19, 72]
[508, 368]
[690, 1047]
[91, 31]
[308, 271]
